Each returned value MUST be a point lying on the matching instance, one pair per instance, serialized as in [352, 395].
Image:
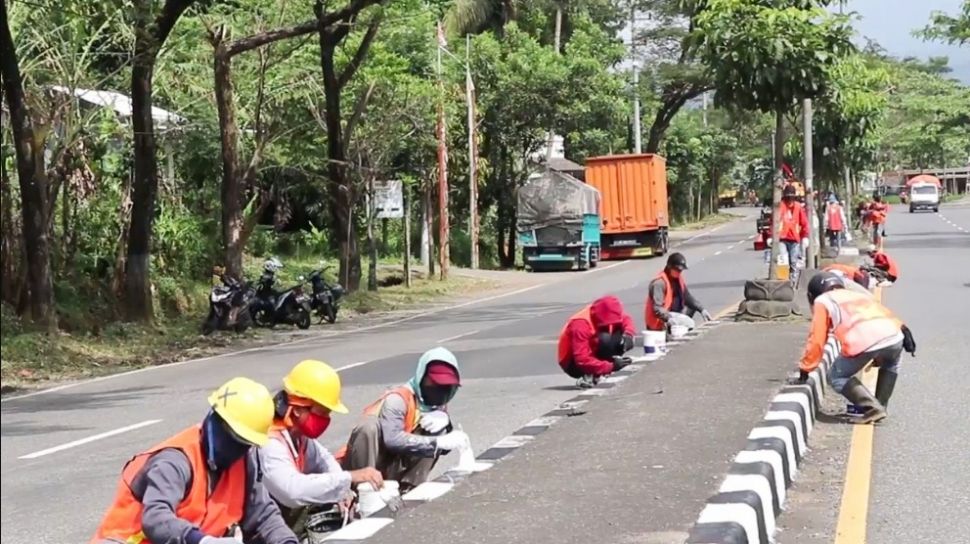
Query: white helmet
[272, 264]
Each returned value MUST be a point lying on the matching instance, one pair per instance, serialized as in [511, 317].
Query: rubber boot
[860, 396]
[884, 387]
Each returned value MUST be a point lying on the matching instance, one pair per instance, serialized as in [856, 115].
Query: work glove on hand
[435, 421]
[619, 362]
[452, 441]
[627, 342]
[909, 343]
[800, 380]
[707, 315]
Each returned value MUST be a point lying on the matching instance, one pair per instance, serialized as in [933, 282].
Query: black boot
[860, 396]
[884, 387]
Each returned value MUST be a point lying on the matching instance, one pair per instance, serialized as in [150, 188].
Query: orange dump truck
[633, 207]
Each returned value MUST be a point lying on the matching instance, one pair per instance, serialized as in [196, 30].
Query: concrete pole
[810, 255]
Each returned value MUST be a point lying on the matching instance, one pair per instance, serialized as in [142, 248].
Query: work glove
[435, 421]
[627, 342]
[452, 441]
[620, 362]
[800, 380]
[909, 343]
[707, 315]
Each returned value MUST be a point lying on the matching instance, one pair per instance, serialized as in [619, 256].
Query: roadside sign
[389, 199]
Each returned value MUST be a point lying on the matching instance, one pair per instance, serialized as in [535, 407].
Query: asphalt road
[921, 464]
[60, 465]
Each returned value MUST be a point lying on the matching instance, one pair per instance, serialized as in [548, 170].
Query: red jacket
[794, 222]
[578, 343]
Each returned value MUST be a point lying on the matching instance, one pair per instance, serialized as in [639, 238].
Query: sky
[891, 23]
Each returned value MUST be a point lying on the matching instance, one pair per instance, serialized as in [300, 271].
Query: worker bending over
[867, 331]
[593, 342]
[406, 430]
[669, 302]
[203, 485]
[299, 473]
[885, 266]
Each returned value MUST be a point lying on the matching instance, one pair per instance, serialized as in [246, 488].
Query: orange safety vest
[565, 342]
[278, 431]
[847, 269]
[653, 321]
[835, 217]
[790, 225]
[878, 212]
[864, 322]
[411, 415]
[212, 513]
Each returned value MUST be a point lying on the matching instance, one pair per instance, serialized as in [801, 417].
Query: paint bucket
[370, 500]
[654, 344]
[678, 331]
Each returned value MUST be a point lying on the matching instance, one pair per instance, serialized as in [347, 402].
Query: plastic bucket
[654, 344]
[678, 331]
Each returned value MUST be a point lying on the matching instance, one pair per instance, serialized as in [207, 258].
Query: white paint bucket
[678, 331]
[654, 344]
[370, 500]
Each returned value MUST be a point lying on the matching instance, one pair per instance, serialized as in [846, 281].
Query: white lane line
[457, 336]
[716, 253]
[89, 439]
[715, 229]
[353, 365]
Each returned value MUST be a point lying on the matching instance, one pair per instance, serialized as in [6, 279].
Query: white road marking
[89, 439]
[457, 336]
[361, 529]
[716, 253]
[353, 365]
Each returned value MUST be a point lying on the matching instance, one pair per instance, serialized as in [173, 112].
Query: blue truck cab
[558, 223]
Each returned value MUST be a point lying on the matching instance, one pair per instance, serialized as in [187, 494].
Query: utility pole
[472, 156]
[637, 148]
[443, 228]
[810, 255]
[557, 37]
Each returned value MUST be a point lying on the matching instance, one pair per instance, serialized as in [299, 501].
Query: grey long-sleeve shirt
[391, 419]
[658, 293]
[164, 482]
[322, 481]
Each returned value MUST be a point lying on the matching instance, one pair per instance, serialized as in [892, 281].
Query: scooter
[290, 307]
[325, 301]
[229, 306]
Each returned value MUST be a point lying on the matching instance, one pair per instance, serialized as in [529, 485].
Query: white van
[924, 196]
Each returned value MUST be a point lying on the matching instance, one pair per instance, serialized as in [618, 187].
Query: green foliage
[952, 29]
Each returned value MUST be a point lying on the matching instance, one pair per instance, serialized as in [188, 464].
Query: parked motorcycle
[229, 306]
[291, 307]
[325, 300]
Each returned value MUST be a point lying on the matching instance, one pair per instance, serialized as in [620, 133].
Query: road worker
[203, 485]
[792, 221]
[593, 341]
[867, 331]
[299, 473]
[405, 431]
[852, 274]
[884, 264]
[835, 223]
[669, 301]
[878, 212]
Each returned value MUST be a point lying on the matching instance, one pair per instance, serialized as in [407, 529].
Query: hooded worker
[406, 430]
[202, 485]
[866, 331]
[593, 341]
[668, 299]
[299, 473]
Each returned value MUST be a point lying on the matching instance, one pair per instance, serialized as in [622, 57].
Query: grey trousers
[366, 449]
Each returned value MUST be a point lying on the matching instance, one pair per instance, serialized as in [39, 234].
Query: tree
[949, 28]
[29, 153]
[150, 36]
[768, 56]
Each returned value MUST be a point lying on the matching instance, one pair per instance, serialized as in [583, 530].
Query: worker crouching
[404, 432]
[593, 341]
[310, 486]
[203, 485]
[669, 302]
[867, 331]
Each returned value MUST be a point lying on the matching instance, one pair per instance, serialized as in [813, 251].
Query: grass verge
[30, 359]
[707, 222]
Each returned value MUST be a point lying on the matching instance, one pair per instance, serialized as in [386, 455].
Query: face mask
[437, 395]
[222, 447]
[312, 424]
[674, 273]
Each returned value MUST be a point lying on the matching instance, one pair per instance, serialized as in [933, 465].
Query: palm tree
[476, 16]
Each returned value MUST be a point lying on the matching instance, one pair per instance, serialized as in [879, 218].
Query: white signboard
[389, 199]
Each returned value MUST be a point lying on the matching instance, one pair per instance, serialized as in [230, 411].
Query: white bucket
[678, 331]
[654, 344]
[370, 500]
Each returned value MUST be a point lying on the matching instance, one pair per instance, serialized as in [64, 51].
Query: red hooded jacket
[578, 343]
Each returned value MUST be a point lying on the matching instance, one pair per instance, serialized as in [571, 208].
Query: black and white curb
[753, 494]
[434, 489]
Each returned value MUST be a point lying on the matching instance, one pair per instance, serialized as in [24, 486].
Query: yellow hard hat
[317, 381]
[247, 407]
